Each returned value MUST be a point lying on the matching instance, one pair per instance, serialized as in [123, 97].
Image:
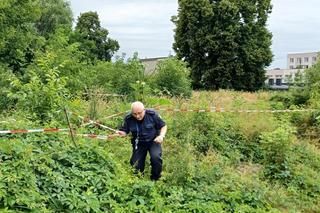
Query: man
[148, 131]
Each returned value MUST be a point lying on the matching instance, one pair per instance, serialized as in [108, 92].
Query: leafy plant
[171, 76]
[44, 92]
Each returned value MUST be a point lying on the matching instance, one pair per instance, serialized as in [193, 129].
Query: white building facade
[301, 60]
[296, 63]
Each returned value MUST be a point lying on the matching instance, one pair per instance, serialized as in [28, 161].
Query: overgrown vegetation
[213, 162]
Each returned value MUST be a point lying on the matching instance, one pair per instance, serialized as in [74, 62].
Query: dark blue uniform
[143, 134]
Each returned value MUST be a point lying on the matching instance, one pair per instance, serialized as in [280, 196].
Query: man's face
[138, 113]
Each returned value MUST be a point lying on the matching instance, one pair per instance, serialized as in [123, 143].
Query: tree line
[225, 43]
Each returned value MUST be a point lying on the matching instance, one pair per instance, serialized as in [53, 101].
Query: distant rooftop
[299, 53]
[152, 59]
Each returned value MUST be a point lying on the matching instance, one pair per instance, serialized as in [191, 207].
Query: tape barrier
[101, 137]
[218, 109]
[91, 121]
[117, 114]
[20, 131]
[104, 94]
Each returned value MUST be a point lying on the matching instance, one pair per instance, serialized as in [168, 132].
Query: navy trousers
[139, 155]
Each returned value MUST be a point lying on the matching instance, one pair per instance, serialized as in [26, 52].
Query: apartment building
[301, 60]
[281, 78]
[296, 63]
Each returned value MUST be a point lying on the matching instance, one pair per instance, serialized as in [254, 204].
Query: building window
[291, 60]
[278, 81]
[306, 59]
[291, 67]
[271, 81]
[299, 60]
[314, 58]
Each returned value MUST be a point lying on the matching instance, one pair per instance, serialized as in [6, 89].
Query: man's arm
[118, 134]
[122, 132]
[161, 136]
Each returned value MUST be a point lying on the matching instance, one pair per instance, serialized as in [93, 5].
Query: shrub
[44, 92]
[171, 77]
[6, 76]
[49, 175]
[276, 147]
[117, 77]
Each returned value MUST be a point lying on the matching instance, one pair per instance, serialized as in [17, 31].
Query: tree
[18, 36]
[225, 42]
[26, 25]
[54, 14]
[93, 38]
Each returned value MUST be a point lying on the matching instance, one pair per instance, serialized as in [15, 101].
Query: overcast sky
[145, 27]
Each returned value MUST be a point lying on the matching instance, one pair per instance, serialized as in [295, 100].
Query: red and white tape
[101, 137]
[20, 131]
[218, 109]
[91, 121]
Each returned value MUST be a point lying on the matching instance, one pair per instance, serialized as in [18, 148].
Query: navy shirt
[146, 130]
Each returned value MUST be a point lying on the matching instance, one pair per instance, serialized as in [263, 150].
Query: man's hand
[159, 139]
[117, 134]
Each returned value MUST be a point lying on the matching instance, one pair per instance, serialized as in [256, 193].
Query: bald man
[148, 132]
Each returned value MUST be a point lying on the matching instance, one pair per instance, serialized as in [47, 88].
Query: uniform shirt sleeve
[125, 126]
[159, 122]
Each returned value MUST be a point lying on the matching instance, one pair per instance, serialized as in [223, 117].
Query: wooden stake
[70, 128]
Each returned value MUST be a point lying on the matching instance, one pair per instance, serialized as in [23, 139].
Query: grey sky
[145, 26]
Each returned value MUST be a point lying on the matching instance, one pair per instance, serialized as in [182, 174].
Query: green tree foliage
[54, 14]
[313, 84]
[25, 26]
[6, 76]
[225, 42]
[72, 60]
[18, 35]
[172, 78]
[117, 76]
[93, 38]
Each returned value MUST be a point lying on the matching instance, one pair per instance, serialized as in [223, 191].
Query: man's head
[137, 110]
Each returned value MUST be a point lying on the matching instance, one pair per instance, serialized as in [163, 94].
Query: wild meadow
[213, 161]
[60, 79]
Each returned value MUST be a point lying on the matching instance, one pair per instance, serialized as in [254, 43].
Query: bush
[172, 78]
[44, 92]
[47, 176]
[117, 77]
[276, 147]
[6, 76]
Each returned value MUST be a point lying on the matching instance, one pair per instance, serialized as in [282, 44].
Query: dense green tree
[225, 42]
[93, 38]
[54, 14]
[18, 35]
[25, 26]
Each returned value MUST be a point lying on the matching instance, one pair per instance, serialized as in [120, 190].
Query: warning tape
[91, 121]
[94, 136]
[218, 109]
[101, 137]
[20, 131]
[104, 94]
[116, 114]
